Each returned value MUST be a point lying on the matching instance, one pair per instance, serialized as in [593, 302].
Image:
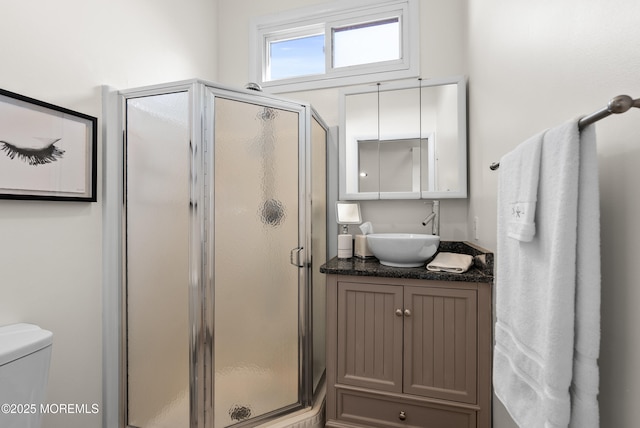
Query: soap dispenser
[346, 213]
[345, 243]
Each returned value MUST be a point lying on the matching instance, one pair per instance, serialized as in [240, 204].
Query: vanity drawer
[369, 410]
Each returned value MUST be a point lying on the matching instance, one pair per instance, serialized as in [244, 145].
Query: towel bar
[619, 104]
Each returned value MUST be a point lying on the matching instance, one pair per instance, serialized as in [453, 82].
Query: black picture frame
[47, 152]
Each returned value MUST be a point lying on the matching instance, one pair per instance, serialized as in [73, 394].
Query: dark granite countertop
[481, 271]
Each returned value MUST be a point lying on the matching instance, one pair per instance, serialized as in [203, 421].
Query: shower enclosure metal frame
[201, 245]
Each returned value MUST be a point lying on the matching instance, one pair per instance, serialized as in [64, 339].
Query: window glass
[366, 43]
[301, 56]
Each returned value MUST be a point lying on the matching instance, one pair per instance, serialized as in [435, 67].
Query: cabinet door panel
[370, 336]
[440, 343]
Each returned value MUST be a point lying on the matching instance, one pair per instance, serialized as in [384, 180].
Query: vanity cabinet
[408, 352]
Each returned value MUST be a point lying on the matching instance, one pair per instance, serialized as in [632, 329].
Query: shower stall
[225, 220]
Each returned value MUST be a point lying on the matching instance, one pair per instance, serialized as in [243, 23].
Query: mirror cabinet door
[444, 162]
[399, 143]
[359, 160]
[404, 141]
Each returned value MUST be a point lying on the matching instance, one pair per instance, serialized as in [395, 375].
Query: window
[336, 45]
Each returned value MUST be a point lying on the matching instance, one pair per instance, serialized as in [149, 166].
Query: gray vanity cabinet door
[440, 334]
[370, 336]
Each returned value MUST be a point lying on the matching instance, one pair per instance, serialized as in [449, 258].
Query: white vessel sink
[403, 249]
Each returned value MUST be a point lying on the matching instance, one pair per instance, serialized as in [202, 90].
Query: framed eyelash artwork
[46, 152]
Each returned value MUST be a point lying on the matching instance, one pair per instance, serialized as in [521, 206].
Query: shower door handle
[294, 257]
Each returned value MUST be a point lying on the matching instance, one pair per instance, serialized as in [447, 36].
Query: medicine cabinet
[404, 140]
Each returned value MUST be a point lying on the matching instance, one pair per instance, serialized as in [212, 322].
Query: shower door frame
[197, 390]
[200, 281]
[304, 190]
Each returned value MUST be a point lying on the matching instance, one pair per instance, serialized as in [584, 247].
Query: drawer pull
[402, 416]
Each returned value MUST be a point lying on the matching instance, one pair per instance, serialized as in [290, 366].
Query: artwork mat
[29, 124]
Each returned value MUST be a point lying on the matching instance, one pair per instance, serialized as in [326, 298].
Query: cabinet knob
[402, 416]
[398, 312]
[407, 313]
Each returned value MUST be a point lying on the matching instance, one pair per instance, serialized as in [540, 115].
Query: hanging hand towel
[586, 375]
[522, 166]
[451, 263]
[543, 306]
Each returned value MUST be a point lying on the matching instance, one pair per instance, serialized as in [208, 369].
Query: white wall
[51, 252]
[531, 66]
[534, 65]
[443, 46]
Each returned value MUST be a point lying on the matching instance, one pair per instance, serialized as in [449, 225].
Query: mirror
[348, 213]
[404, 140]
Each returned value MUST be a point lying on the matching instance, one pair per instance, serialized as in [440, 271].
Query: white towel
[451, 263]
[586, 376]
[522, 166]
[545, 291]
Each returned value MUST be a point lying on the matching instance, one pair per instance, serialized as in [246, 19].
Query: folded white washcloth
[451, 262]
[522, 167]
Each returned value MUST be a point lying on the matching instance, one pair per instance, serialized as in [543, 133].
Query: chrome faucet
[434, 218]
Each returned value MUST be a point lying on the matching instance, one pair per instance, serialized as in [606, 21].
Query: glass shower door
[256, 211]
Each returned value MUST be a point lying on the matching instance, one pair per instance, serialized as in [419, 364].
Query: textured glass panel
[256, 287]
[157, 261]
[318, 244]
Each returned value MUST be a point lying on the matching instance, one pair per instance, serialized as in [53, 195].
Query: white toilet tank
[25, 351]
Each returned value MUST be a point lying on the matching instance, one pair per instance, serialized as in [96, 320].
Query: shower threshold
[309, 417]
